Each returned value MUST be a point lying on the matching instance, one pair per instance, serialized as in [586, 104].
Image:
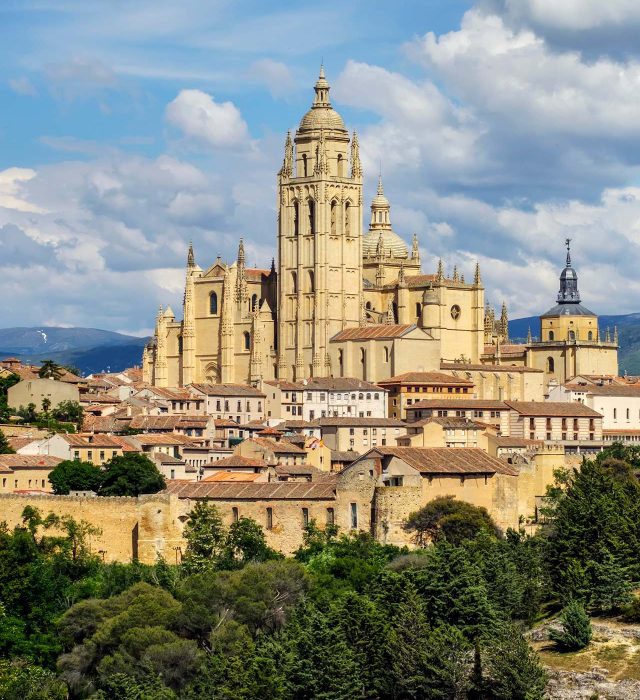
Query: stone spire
[456, 277]
[440, 272]
[322, 164]
[287, 164]
[356, 166]
[242, 291]
[476, 278]
[191, 258]
[402, 280]
[321, 88]
[390, 317]
[188, 326]
[415, 250]
[504, 323]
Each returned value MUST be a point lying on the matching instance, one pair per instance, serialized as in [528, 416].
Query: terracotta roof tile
[359, 422]
[373, 331]
[233, 476]
[277, 447]
[270, 491]
[462, 367]
[553, 408]
[28, 461]
[447, 460]
[228, 390]
[236, 461]
[462, 404]
[437, 378]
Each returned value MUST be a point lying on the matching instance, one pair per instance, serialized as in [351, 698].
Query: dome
[321, 115]
[392, 245]
[322, 118]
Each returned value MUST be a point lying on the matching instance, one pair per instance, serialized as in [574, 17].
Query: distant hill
[628, 336]
[88, 349]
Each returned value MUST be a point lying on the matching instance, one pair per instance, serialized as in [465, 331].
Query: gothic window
[254, 302]
[418, 309]
[341, 361]
[294, 280]
[180, 346]
[347, 219]
[312, 216]
[304, 165]
[247, 340]
[550, 364]
[590, 335]
[340, 166]
[333, 217]
[213, 303]
[395, 312]
[296, 218]
[572, 335]
[311, 281]
[363, 361]
[386, 354]
[551, 335]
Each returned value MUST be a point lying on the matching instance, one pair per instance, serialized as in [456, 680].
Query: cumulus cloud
[12, 181]
[201, 118]
[275, 75]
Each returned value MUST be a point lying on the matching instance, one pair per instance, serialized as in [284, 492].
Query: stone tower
[319, 239]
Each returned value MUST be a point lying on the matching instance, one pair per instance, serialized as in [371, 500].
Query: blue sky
[502, 127]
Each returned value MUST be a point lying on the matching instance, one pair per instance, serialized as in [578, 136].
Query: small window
[247, 340]
[269, 518]
[234, 514]
[213, 303]
[551, 335]
[305, 517]
[354, 516]
[331, 517]
[550, 365]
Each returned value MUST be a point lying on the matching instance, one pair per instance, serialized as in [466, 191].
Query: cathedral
[340, 301]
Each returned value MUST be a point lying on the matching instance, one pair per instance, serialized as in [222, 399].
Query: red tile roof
[28, 461]
[274, 490]
[233, 476]
[237, 461]
[553, 408]
[447, 460]
[436, 378]
[373, 331]
[462, 404]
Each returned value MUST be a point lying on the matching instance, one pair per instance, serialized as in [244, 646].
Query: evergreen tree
[205, 536]
[72, 475]
[5, 447]
[511, 669]
[246, 542]
[320, 663]
[576, 628]
[610, 585]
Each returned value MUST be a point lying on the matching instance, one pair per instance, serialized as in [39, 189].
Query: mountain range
[95, 350]
[88, 349]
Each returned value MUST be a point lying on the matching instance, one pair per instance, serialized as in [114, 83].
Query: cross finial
[567, 242]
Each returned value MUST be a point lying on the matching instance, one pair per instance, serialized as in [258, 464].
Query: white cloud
[275, 75]
[11, 185]
[200, 117]
[23, 86]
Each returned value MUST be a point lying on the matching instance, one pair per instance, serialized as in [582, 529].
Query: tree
[448, 519]
[22, 680]
[246, 542]
[610, 585]
[72, 475]
[130, 475]
[5, 447]
[510, 668]
[576, 628]
[46, 405]
[205, 536]
[70, 411]
[50, 370]
[28, 414]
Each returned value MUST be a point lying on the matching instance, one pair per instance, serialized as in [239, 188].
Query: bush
[576, 628]
[72, 475]
[130, 475]
[631, 613]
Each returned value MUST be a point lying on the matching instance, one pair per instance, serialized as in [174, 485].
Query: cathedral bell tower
[319, 239]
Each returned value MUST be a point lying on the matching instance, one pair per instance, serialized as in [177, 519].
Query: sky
[130, 127]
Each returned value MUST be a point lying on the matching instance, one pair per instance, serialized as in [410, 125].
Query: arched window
[363, 362]
[304, 165]
[379, 217]
[247, 340]
[334, 208]
[312, 216]
[551, 336]
[340, 165]
[294, 282]
[386, 354]
[418, 309]
[312, 287]
[213, 303]
[296, 218]
[550, 365]
[572, 335]
[254, 302]
[590, 335]
[368, 306]
[395, 312]
[180, 345]
[341, 361]
[347, 219]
